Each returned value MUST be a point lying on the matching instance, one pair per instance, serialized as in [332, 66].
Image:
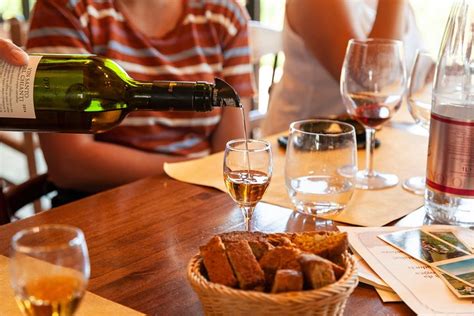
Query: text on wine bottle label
[16, 89]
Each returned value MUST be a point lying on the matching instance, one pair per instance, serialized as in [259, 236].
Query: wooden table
[140, 237]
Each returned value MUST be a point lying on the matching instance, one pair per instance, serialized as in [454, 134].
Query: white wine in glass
[49, 269]
[247, 173]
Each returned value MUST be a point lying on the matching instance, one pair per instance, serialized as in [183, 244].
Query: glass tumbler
[49, 269]
[320, 166]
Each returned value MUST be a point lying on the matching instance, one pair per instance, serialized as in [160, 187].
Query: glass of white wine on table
[372, 88]
[247, 173]
[49, 269]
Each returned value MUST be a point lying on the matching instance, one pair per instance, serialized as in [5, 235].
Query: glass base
[444, 208]
[375, 180]
[415, 185]
[318, 209]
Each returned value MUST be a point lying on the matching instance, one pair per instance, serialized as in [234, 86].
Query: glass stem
[369, 151]
[247, 212]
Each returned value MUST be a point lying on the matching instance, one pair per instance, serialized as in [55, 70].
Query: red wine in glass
[373, 111]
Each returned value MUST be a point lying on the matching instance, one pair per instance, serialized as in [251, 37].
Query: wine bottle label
[16, 89]
[450, 166]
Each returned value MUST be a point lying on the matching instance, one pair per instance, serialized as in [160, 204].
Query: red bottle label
[450, 167]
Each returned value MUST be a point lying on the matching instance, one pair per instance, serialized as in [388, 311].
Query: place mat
[91, 304]
[401, 153]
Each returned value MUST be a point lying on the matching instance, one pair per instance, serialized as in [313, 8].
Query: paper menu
[388, 296]
[416, 284]
[367, 275]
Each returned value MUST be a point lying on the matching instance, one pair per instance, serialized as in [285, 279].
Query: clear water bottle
[449, 196]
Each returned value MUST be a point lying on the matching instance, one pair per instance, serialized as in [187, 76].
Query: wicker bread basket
[217, 299]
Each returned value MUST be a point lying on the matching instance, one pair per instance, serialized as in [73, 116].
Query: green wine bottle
[92, 94]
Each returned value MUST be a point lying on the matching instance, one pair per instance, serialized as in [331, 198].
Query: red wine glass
[372, 87]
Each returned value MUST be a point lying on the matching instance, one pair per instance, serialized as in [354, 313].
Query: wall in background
[431, 17]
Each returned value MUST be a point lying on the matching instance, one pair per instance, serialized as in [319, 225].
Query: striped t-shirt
[210, 40]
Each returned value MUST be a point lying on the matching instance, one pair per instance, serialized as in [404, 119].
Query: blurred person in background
[315, 37]
[12, 54]
[183, 40]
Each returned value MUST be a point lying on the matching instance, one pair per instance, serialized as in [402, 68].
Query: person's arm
[12, 54]
[81, 163]
[327, 26]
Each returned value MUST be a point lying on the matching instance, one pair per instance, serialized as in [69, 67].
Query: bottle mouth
[225, 95]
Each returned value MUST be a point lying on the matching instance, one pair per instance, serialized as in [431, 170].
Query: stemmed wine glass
[419, 103]
[247, 173]
[49, 269]
[372, 88]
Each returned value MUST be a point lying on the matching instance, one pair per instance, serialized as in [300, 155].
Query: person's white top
[307, 89]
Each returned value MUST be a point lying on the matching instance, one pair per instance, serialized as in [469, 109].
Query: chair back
[27, 142]
[14, 197]
[263, 40]
[17, 31]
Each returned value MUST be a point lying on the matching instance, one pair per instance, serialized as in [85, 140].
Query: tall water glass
[420, 84]
[372, 88]
[320, 167]
[49, 269]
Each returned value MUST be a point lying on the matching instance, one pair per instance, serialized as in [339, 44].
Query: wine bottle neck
[171, 96]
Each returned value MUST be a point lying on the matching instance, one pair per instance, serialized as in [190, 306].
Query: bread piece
[259, 248]
[216, 263]
[243, 235]
[246, 268]
[280, 241]
[338, 270]
[287, 280]
[317, 271]
[324, 244]
[279, 258]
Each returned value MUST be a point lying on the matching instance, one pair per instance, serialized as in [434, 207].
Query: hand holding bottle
[12, 53]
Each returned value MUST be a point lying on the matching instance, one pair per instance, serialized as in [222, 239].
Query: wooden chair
[14, 197]
[264, 40]
[25, 143]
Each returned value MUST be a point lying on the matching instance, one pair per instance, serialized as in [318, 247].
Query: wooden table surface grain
[141, 236]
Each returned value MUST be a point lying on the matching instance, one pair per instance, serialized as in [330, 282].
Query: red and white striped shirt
[210, 40]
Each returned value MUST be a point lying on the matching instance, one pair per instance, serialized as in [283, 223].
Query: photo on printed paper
[422, 246]
[462, 269]
[451, 238]
[460, 289]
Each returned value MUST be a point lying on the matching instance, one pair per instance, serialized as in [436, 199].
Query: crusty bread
[259, 248]
[287, 280]
[246, 268]
[338, 270]
[259, 261]
[280, 241]
[217, 265]
[279, 258]
[318, 272]
[243, 235]
[324, 244]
